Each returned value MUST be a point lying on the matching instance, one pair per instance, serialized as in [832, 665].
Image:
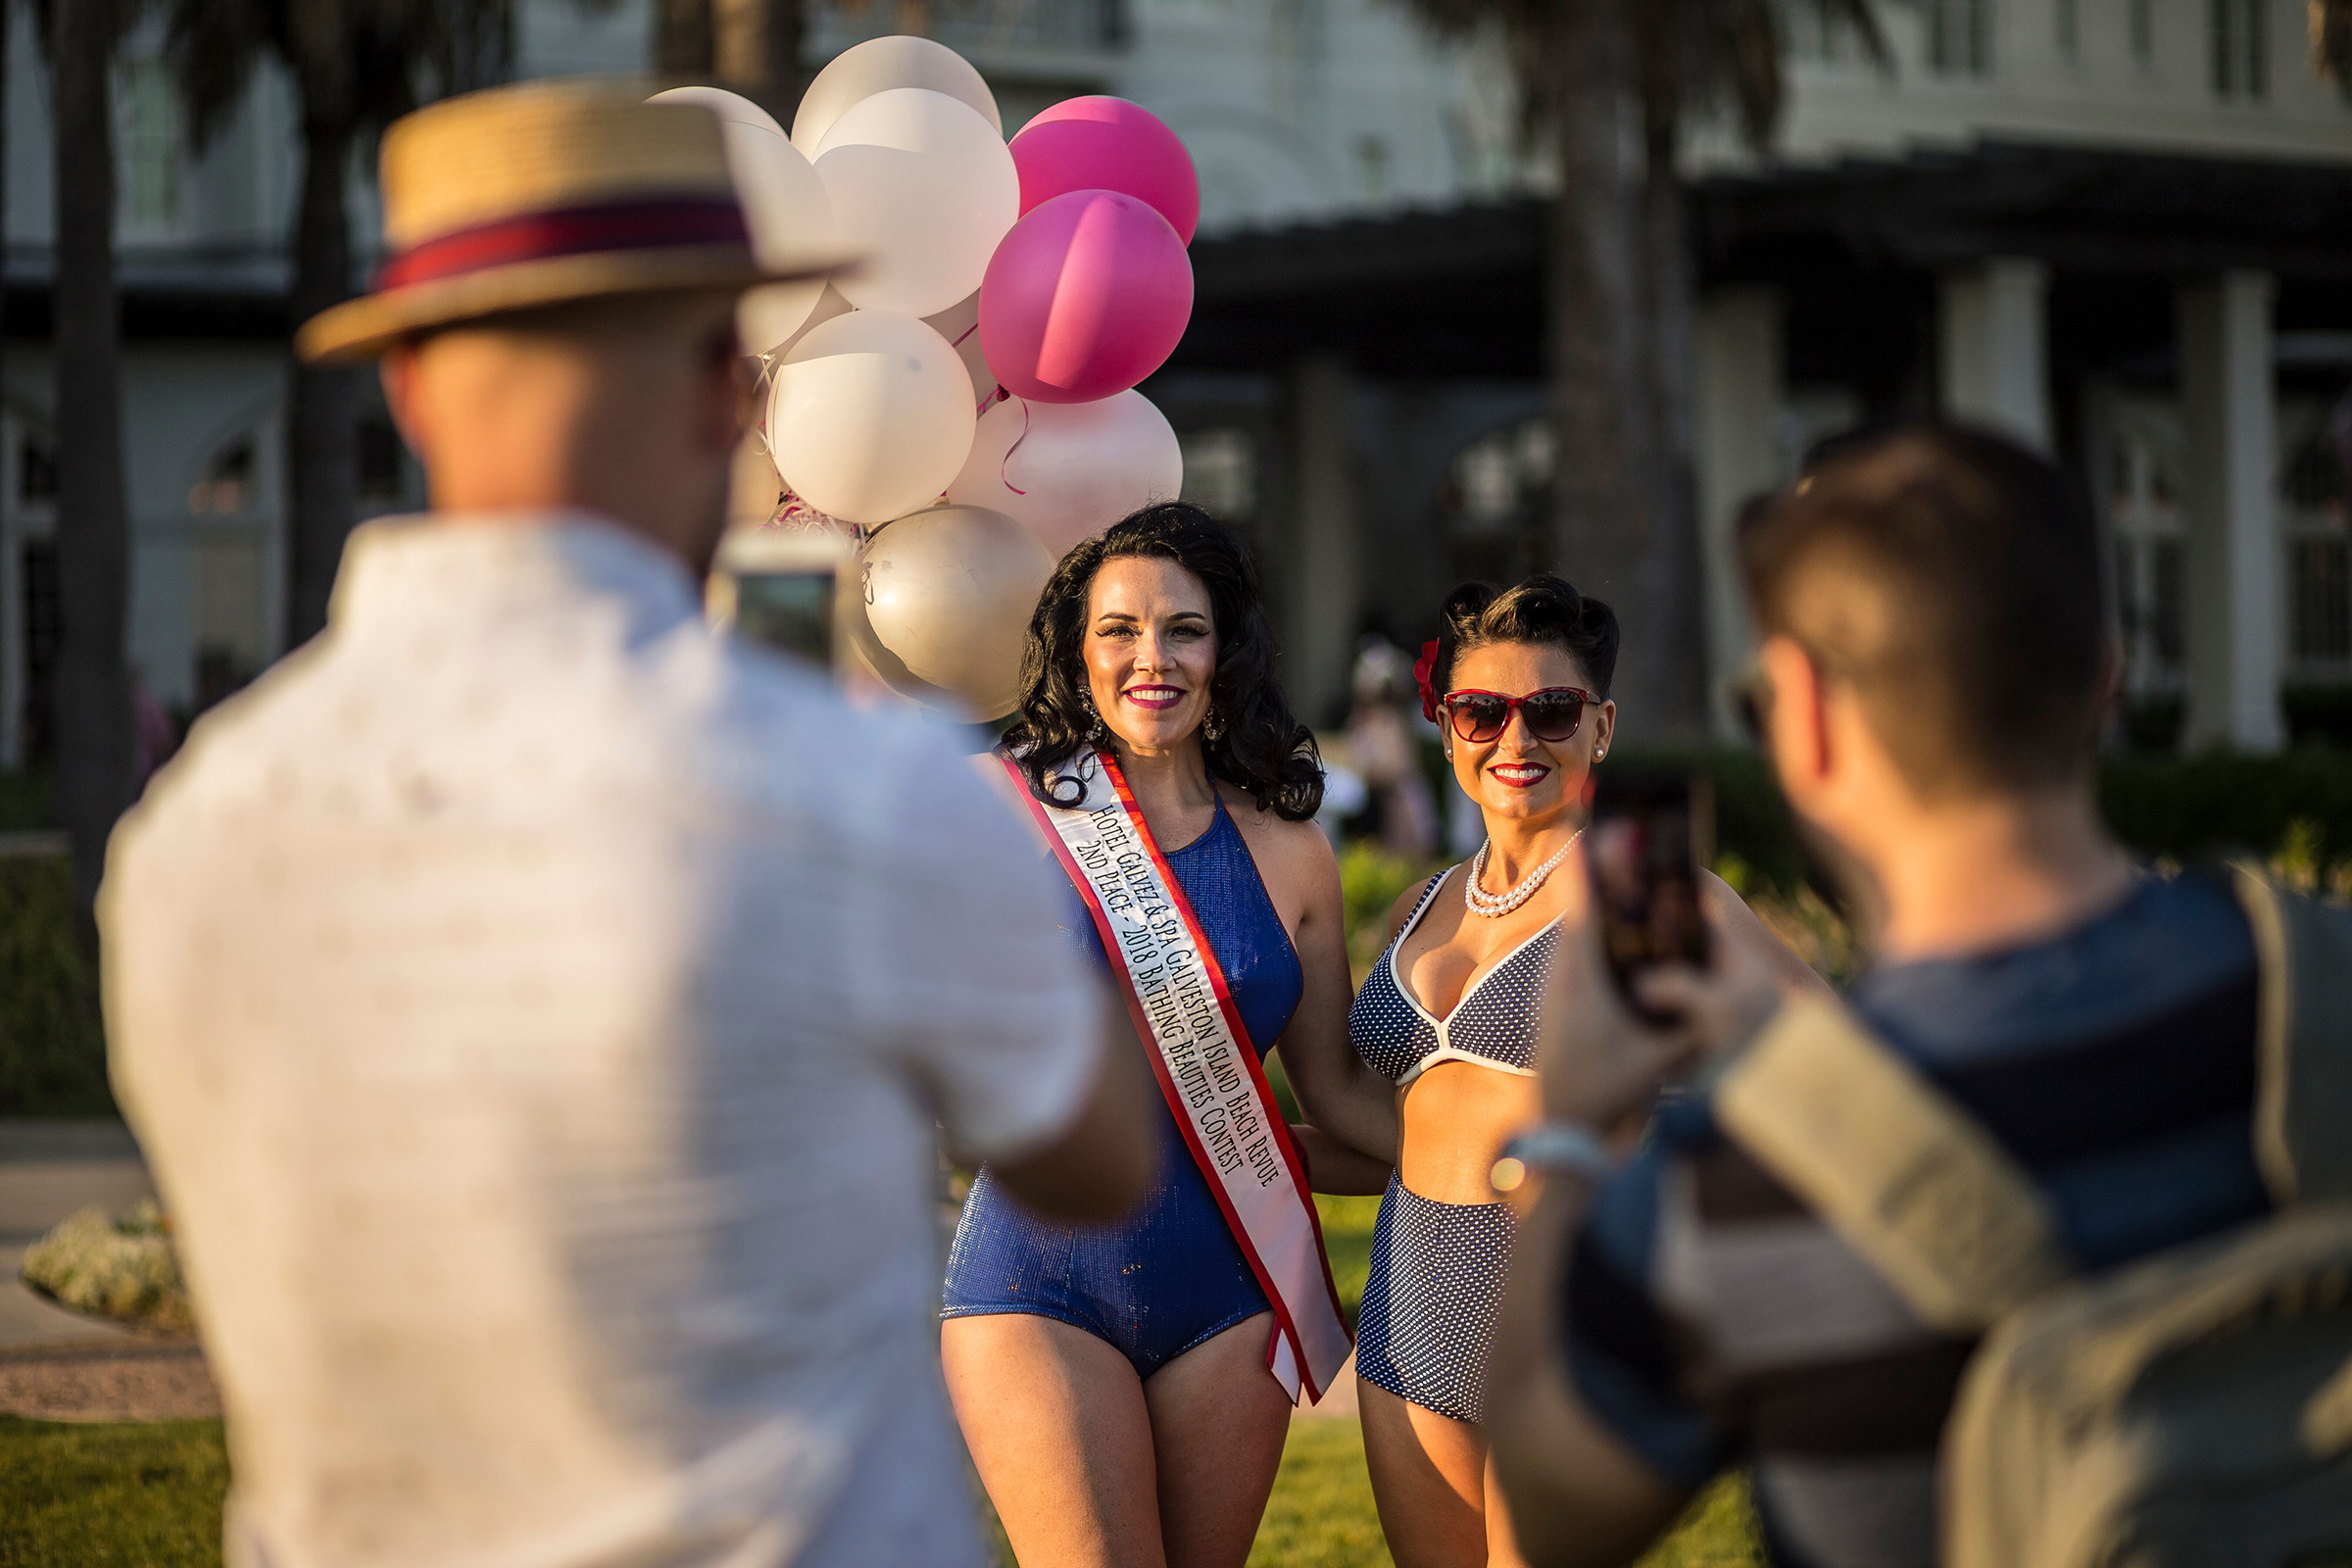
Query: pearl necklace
[1493, 905]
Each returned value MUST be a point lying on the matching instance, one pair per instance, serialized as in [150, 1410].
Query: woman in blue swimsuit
[1112, 1381]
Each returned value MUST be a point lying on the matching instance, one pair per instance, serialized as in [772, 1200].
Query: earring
[1213, 726]
[1093, 728]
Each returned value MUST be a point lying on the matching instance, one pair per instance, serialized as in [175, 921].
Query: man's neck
[1979, 875]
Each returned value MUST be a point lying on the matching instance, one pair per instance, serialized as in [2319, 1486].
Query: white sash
[1204, 1060]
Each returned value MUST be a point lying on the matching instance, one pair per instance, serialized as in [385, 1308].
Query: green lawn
[144, 1494]
[1321, 1513]
[148, 1495]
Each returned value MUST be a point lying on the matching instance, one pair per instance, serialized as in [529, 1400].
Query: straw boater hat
[540, 195]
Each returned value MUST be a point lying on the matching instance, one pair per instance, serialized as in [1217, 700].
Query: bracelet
[1551, 1145]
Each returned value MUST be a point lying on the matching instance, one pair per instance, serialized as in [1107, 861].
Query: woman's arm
[1728, 909]
[1344, 1099]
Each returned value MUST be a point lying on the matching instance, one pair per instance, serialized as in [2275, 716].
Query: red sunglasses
[1553, 713]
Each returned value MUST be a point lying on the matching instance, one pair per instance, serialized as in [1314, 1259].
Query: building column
[1994, 358]
[1740, 391]
[1319, 655]
[2228, 416]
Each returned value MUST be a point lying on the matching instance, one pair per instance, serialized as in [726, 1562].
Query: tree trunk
[1672, 591]
[682, 39]
[322, 445]
[93, 543]
[1606, 520]
[756, 50]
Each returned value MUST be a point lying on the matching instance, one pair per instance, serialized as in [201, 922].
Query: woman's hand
[1337, 1092]
[1333, 1166]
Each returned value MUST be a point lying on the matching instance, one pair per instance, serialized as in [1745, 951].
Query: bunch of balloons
[964, 395]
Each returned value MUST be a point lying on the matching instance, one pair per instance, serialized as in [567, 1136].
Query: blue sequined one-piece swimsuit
[1438, 1269]
[1171, 1277]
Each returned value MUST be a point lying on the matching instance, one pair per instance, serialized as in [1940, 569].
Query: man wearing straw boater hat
[535, 1010]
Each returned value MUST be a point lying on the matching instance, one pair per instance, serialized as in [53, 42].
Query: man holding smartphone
[1935, 676]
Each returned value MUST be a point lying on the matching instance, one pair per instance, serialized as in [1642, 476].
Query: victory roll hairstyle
[1262, 749]
[1545, 608]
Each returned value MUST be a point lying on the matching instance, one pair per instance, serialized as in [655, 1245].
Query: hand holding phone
[1649, 833]
[781, 588]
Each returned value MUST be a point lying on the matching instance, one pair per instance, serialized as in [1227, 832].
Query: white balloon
[923, 190]
[959, 324]
[731, 107]
[879, 64]
[754, 323]
[1082, 466]
[790, 216]
[869, 416]
[949, 593]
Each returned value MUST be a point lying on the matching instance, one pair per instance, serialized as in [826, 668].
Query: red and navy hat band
[662, 223]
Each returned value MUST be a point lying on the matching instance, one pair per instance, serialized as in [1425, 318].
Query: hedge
[52, 1051]
[2293, 809]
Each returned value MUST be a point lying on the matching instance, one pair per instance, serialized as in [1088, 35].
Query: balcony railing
[989, 32]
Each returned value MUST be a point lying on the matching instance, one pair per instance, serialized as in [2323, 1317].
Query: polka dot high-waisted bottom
[1428, 1318]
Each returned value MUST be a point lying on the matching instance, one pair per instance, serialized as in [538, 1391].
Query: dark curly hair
[1263, 749]
[1545, 608]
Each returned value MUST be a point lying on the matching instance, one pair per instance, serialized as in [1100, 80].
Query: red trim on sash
[1215, 971]
[1280, 1130]
[659, 223]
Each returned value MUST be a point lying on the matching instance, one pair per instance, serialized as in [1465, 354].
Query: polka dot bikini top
[1493, 1024]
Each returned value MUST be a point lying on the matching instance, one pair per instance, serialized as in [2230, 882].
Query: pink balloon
[1088, 295]
[1109, 144]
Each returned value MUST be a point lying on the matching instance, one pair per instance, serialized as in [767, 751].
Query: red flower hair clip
[1424, 667]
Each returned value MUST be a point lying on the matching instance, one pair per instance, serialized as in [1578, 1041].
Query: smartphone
[790, 611]
[781, 588]
[1651, 832]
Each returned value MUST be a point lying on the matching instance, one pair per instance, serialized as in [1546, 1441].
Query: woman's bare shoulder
[1276, 842]
[1407, 901]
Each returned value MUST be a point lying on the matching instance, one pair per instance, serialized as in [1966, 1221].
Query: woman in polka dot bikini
[1518, 683]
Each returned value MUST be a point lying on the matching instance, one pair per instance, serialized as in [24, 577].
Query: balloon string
[1015, 447]
[986, 403]
[966, 332]
[768, 370]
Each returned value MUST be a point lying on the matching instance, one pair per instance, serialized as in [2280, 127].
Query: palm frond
[1689, 56]
[211, 46]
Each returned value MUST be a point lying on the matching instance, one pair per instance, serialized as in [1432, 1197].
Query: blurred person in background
[537, 1011]
[1122, 1388]
[1934, 679]
[1384, 746]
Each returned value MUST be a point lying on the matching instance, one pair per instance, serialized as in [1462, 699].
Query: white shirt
[536, 1012]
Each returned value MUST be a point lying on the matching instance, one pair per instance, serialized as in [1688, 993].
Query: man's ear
[1799, 717]
[398, 372]
[727, 388]
[2111, 686]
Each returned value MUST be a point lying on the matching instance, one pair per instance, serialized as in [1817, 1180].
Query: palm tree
[1618, 289]
[355, 65]
[93, 532]
[750, 46]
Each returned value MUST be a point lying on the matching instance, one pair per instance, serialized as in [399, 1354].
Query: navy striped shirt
[1713, 1319]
